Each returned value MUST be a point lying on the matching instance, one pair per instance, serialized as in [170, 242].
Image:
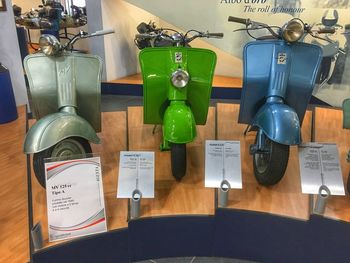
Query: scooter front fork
[260, 146]
[165, 146]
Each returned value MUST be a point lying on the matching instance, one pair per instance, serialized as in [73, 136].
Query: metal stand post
[37, 236]
[223, 193]
[321, 200]
[135, 207]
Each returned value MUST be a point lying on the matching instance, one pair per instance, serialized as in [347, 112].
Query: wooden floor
[13, 192]
[171, 198]
[219, 81]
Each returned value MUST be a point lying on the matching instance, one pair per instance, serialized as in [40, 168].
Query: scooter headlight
[49, 45]
[180, 78]
[293, 30]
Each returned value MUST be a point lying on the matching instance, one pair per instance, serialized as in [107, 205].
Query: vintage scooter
[334, 50]
[65, 92]
[279, 76]
[346, 125]
[177, 82]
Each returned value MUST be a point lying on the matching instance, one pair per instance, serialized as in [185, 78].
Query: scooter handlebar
[326, 31]
[215, 35]
[102, 32]
[238, 20]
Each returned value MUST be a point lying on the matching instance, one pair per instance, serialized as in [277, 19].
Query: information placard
[319, 165]
[223, 162]
[136, 171]
[75, 200]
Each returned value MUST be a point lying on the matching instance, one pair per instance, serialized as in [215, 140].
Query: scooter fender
[279, 122]
[179, 125]
[56, 127]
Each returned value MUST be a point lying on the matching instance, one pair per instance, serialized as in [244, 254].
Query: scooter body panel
[279, 122]
[179, 125]
[56, 127]
[346, 114]
[157, 66]
[81, 72]
[304, 61]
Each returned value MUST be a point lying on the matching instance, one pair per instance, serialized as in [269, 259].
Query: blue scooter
[279, 76]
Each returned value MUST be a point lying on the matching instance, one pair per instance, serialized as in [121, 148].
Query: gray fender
[279, 122]
[56, 127]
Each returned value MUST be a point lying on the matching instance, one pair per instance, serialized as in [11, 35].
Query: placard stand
[136, 179]
[224, 193]
[321, 201]
[37, 236]
[135, 204]
[320, 174]
[223, 168]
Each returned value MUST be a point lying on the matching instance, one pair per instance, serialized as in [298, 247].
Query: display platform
[171, 197]
[177, 206]
[329, 128]
[285, 198]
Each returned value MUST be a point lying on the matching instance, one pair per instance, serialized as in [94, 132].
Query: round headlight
[293, 30]
[180, 78]
[49, 45]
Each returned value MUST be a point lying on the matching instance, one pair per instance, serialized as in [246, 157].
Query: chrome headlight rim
[293, 30]
[180, 78]
[49, 44]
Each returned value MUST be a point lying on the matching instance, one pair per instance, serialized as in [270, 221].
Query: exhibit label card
[136, 171]
[319, 165]
[223, 162]
[75, 200]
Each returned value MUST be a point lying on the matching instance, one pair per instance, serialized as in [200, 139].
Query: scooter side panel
[346, 114]
[42, 75]
[201, 64]
[305, 63]
[157, 65]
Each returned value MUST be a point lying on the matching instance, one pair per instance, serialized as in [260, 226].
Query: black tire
[348, 185]
[82, 147]
[269, 168]
[178, 160]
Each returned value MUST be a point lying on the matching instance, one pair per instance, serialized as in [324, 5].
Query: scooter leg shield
[55, 127]
[179, 125]
[279, 123]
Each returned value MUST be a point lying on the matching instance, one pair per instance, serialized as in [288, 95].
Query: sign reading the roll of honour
[75, 200]
[136, 172]
[223, 162]
[319, 165]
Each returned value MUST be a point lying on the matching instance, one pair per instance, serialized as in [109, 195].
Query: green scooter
[177, 82]
[346, 125]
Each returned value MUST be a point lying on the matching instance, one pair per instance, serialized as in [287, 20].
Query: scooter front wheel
[63, 150]
[178, 160]
[270, 165]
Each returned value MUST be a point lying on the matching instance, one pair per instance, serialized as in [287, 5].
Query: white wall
[121, 52]
[10, 54]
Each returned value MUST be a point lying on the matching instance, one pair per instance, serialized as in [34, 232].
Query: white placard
[223, 162]
[136, 171]
[75, 200]
[319, 165]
